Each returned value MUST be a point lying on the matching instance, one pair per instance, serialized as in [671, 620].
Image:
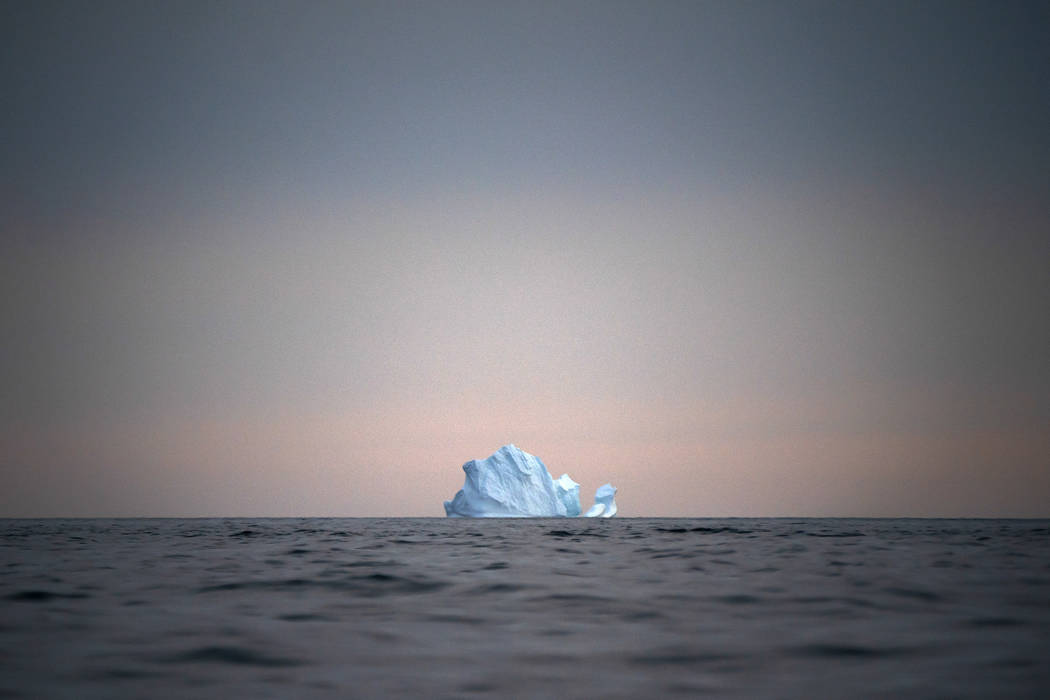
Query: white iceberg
[604, 505]
[511, 483]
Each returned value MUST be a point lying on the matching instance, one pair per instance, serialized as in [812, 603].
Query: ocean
[529, 608]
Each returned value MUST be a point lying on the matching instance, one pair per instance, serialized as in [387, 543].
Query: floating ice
[511, 483]
[604, 505]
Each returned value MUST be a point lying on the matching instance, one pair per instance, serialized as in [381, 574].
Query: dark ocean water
[572, 608]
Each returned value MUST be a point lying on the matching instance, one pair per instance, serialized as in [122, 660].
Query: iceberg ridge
[569, 494]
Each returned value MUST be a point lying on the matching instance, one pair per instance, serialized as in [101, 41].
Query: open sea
[531, 608]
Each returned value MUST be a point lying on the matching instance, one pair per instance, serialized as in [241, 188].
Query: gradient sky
[737, 258]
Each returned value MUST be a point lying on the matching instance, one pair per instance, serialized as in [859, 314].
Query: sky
[737, 258]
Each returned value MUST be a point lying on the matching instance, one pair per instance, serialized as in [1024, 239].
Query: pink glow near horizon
[734, 258]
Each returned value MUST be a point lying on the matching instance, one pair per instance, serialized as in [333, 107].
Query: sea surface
[531, 608]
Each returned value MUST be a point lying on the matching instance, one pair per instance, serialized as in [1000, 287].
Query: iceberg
[604, 505]
[512, 483]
